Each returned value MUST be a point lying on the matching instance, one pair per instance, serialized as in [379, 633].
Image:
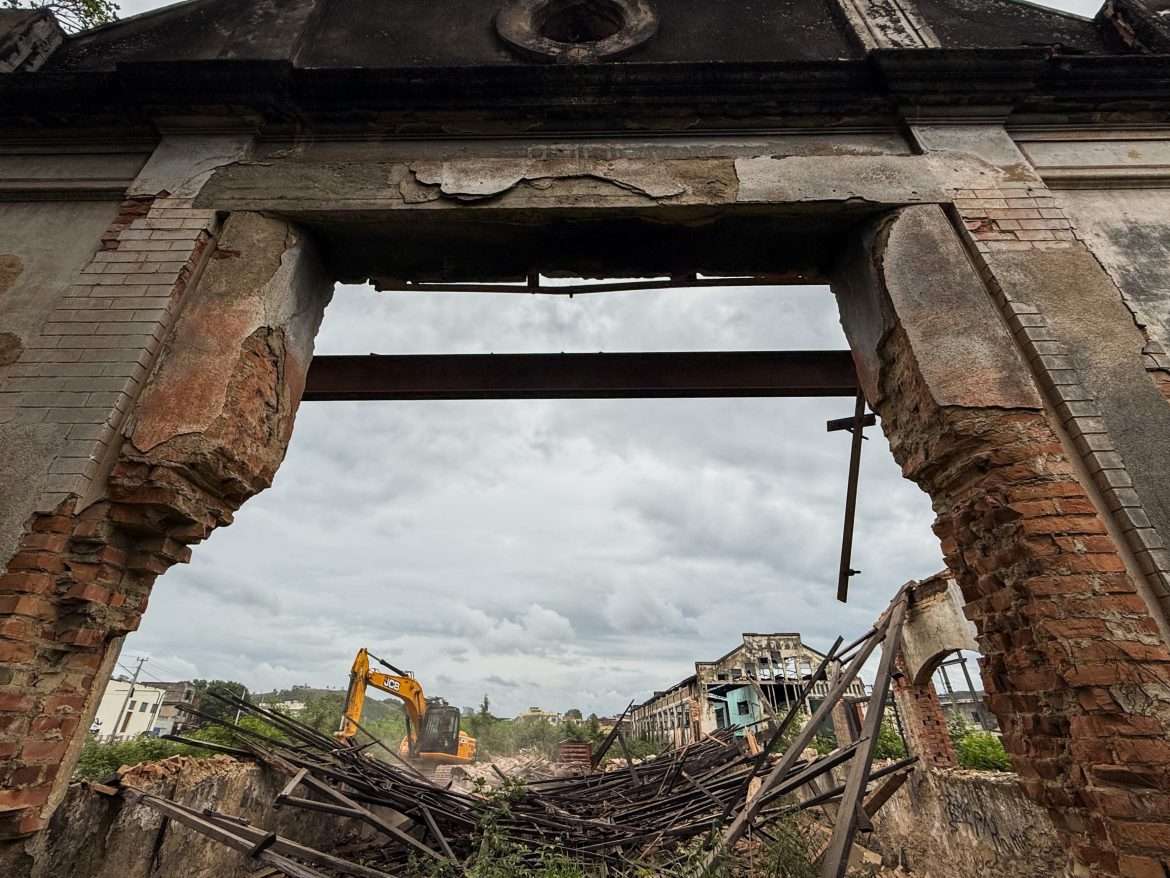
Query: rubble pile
[716, 791]
[525, 766]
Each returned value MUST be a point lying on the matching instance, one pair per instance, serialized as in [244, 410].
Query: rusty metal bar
[533, 285]
[845, 570]
[692, 374]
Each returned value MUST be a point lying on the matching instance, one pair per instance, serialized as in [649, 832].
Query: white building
[127, 710]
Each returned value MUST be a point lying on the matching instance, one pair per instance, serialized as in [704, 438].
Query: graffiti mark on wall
[991, 826]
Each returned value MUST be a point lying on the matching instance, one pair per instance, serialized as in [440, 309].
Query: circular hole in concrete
[580, 21]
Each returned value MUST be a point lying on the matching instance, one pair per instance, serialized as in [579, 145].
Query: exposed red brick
[24, 797]
[1070, 646]
[12, 651]
[33, 583]
[1162, 379]
[39, 752]
[1142, 867]
[923, 719]
[96, 566]
[26, 605]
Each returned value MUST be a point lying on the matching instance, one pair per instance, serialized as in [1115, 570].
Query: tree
[485, 707]
[73, 15]
[213, 708]
[573, 713]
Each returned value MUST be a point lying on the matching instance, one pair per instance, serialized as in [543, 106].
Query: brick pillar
[841, 724]
[923, 720]
[203, 337]
[1076, 669]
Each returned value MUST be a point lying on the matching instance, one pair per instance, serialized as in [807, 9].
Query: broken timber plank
[836, 856]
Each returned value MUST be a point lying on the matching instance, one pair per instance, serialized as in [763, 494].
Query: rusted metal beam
[581, 376]
[845, 570]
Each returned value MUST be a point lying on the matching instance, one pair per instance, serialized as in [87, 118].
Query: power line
[163, 667]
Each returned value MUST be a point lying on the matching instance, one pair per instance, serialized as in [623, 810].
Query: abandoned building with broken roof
[983, 184]
[764, 674]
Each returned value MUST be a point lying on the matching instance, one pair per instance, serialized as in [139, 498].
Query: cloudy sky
[553, 553]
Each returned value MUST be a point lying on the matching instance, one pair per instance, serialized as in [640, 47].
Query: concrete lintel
[367, 184]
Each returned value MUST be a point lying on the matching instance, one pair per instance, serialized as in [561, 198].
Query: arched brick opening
[1076, 668]
[1075, 660]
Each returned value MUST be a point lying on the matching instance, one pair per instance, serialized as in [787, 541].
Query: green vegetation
[74, 15]
[506, 737]
[791, 855]
[977, 749]
[497, 856]
[889, 744]
[100, 760]
[385, 720]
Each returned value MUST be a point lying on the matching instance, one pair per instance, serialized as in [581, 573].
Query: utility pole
[129, 692]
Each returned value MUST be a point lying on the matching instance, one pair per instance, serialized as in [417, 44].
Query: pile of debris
[644, 817]
[525, 766]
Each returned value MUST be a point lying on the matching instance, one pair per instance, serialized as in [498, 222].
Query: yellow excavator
[433, 736]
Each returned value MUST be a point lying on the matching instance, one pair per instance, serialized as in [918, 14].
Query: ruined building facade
[983, 184]
[763, 676]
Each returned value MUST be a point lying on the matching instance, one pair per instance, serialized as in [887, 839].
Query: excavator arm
[398, 685]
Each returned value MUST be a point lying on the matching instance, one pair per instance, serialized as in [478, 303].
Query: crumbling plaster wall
[1128, 231]
[965, 824]
[43, 246]
[935, 627]
[1074, 659]
[213, 330]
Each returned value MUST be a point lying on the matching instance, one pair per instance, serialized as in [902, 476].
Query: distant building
[764, 673]
[969, 707]
[965, 703]
[127, 710]
[535, 713]
[170, 720]
[290, 707]
[606, 724]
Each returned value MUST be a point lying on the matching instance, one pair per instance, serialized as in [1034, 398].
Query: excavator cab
[440, 729]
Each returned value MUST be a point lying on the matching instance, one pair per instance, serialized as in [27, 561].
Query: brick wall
[841, 727]
[85, 368]
[1075, 669]
[923, 720]
[83, 572]
[1023, 216]
[1157, 362]
[1056, 372]
[79, 579]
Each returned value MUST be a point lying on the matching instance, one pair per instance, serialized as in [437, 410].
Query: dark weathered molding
[27, 39]
[530, 99]
[1136, 25]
